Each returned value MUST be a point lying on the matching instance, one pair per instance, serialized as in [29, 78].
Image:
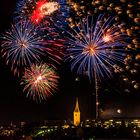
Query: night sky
[15, 106]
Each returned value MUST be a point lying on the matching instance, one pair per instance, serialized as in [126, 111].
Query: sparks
[21, 45]
[40, 81]
[43, 9]
[95, 47]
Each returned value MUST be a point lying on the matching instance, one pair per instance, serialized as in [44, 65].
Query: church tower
[76, 114]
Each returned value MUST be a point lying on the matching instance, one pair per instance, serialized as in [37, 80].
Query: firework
[43, 9]
[95, 48]
[21, 45]
[35, 10]
[40, 81]
[54, 51]
[119, 9]
[25, 8]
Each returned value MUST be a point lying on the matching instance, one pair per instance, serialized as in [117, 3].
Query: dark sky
[15, 106]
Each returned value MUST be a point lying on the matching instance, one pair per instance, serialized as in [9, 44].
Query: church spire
[77, 106]
[76, 114]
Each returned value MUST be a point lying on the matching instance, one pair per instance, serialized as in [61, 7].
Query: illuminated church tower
[76, 114]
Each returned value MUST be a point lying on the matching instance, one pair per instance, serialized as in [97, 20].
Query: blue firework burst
[21, 45]
[95, 46]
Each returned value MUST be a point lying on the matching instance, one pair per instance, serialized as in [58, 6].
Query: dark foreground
[117, 139]
[27, 138]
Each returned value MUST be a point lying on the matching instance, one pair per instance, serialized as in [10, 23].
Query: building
[76, 114]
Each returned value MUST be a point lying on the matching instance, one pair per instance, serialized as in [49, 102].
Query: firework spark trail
[54, 50]
[40, 81]
[95, 47]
